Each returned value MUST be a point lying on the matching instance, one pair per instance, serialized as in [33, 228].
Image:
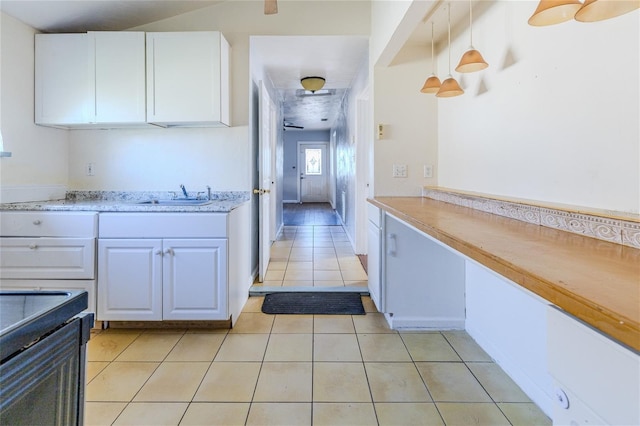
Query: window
[313, 161]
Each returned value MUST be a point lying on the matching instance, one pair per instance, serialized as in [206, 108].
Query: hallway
[309, 214]
[312, 254]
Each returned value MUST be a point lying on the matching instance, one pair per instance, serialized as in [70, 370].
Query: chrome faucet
[184, 191]
[208, 193]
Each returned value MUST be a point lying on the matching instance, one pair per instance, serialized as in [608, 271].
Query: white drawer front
[48, 224]
[163, 225]
[47, 258]
[65, 285]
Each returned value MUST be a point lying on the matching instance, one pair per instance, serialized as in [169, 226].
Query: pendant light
[550, 12]
[472, 60]
[450, 86]
[432, 83]
[598, 10]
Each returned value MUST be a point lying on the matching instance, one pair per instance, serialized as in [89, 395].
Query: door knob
[261, 191]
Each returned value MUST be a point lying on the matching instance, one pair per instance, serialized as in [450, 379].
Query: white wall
[410, 124]
[554, 118]
[160, 159]
[40, 154]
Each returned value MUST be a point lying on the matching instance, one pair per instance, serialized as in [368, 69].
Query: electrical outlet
[90, 169]
[399, 170]
[428, 171]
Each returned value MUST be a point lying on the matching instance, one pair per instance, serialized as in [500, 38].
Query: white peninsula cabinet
[163, 266]
[188, 78]
[423, 282]
[90, 80]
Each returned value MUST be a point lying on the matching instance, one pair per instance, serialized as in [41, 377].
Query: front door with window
[312, 161]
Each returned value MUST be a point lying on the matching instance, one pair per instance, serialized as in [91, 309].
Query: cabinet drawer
[163, 225]
[49, 224]
[47, 258]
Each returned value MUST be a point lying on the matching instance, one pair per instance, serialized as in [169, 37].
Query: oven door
[44, 383]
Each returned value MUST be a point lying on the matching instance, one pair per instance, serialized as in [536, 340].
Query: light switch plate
[399, 170]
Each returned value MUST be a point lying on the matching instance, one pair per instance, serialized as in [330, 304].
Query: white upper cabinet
[90, 80]
[188, 79]
[119, 62]
[62, 92]
[107, 79]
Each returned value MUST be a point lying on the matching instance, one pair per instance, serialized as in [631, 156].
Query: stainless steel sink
[177, 202]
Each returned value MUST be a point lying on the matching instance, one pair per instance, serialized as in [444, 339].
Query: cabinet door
[424, 282]
[184, 76]
[120, 91]
[62, 79]
[373, 263]
[129, 279]
[195, 279]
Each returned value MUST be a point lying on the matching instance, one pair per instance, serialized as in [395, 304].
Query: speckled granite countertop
[120, 201]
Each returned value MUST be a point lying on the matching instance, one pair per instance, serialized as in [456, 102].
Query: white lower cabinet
[597, 380]
[423, 282]
[49, 251]
[154, 279]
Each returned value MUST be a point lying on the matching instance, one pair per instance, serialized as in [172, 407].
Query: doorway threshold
[261, 290]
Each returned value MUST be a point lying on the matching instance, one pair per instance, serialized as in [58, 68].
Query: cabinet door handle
[391, 244]
[158, 252]
[169, 251]
[33, 246]
[37, 222]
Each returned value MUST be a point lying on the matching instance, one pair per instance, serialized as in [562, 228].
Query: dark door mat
[316, 303]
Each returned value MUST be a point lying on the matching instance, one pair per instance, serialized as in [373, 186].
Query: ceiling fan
[290, 125]
[270, 7]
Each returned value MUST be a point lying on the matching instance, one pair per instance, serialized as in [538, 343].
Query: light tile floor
[314, 256]
[299, 369]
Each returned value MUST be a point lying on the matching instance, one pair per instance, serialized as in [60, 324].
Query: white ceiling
[285, 59]
[60, 16]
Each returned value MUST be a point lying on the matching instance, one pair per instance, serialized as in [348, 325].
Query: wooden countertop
[596, 281]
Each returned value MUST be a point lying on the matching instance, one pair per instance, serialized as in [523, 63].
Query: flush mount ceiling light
[550, 12]
[450, 86]
[472, 60]
[312, 84]
[432, 83]
[598, 10]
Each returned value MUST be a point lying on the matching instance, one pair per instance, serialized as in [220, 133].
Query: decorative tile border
[603, 228]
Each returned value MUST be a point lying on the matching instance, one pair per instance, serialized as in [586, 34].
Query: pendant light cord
[433, 68]
[449, 10]
[470, 23]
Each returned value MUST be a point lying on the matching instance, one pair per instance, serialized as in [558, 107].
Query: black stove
[43, 336]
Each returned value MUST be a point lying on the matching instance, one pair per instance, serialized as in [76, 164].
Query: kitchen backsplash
[612, 229]
[128, 196]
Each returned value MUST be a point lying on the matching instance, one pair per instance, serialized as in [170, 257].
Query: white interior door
[266, 122]
[313, 165]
